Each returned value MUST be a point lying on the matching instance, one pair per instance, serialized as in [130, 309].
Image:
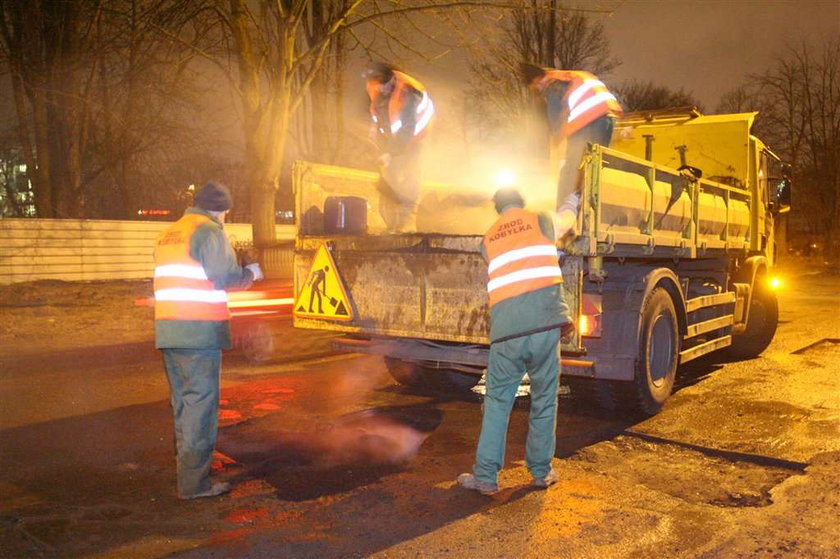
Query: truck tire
[762, 320]
[410, 373]
[459, 380]
[593, 396]
[659, 348]
[406, 373]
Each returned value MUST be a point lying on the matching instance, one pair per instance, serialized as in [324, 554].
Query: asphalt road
[332, 459]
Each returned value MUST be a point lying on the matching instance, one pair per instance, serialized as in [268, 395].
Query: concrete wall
[80, 250]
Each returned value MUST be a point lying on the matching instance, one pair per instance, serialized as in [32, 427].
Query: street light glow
[505, 177]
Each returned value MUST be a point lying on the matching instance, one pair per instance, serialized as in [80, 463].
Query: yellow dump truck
[670, 260]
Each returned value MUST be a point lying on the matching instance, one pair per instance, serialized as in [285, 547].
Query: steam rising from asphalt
[332, 432]
[368, 438]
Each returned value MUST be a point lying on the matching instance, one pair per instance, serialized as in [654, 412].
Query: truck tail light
[589, 321]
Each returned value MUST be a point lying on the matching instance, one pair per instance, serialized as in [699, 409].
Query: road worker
[528, 317]
[194, 263]
[401, 110]
[580, 110]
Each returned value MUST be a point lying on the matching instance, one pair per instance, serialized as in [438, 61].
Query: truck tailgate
[416, 286]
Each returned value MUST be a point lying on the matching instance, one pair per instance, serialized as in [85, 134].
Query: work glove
[384, 160]
[256, 271]
[566, 217]
[246, 256]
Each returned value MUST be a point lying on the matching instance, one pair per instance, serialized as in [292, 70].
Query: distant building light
[22, 168]
[153, 212]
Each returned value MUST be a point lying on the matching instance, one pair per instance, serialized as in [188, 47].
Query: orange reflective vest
[404, 83]
[520, 257]
[182, 289]
[586, 99]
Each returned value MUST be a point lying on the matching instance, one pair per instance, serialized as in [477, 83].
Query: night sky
[707, 47]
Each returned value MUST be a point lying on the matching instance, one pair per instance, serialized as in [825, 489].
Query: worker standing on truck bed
[194, 263]
[580, 110]
[528, 316]
[401, 110]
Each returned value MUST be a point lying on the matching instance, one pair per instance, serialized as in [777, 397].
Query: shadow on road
[87, 483]
[696, 371]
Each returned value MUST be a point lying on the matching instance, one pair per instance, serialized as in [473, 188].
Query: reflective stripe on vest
[521, 258]
[182, 288]
[403, 84]
[587, 98]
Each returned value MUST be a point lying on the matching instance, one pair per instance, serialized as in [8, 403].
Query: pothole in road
[686, 474]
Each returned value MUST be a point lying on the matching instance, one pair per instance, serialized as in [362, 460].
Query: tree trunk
[46, 207]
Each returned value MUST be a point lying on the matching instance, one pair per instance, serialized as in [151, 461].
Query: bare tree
[798, 100]
[321, 126]
[144, 101]
[46, 47]
[635, 95]
[742, 99]
[543, 32]
[96, 85]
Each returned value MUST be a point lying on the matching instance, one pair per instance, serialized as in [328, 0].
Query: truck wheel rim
[661, 349]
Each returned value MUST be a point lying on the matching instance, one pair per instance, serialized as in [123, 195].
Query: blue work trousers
[538, 354]
[599, 131]
[194, 378]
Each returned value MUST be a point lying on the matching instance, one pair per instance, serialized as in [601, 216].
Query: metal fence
[83, 250]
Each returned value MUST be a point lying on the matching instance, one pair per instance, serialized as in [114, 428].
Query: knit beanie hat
[214, 196]
[507, 196]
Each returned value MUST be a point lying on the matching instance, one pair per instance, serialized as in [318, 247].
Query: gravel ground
[73, 314]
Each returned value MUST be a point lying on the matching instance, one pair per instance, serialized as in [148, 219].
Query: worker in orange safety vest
[402, 111]
[528, 317]
[194, 263]
[580, 110]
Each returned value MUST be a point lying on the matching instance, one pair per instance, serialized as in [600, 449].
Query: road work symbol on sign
[323, 294]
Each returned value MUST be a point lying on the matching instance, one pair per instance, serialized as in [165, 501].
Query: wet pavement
[331, 458]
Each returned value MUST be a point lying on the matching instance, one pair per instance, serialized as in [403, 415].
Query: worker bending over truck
[580, 110]
[402, 111]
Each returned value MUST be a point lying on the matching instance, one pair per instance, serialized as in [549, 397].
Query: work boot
[218, 488]
[469, 481]
[543, 482]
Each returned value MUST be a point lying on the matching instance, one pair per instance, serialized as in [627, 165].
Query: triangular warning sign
[322, 294]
